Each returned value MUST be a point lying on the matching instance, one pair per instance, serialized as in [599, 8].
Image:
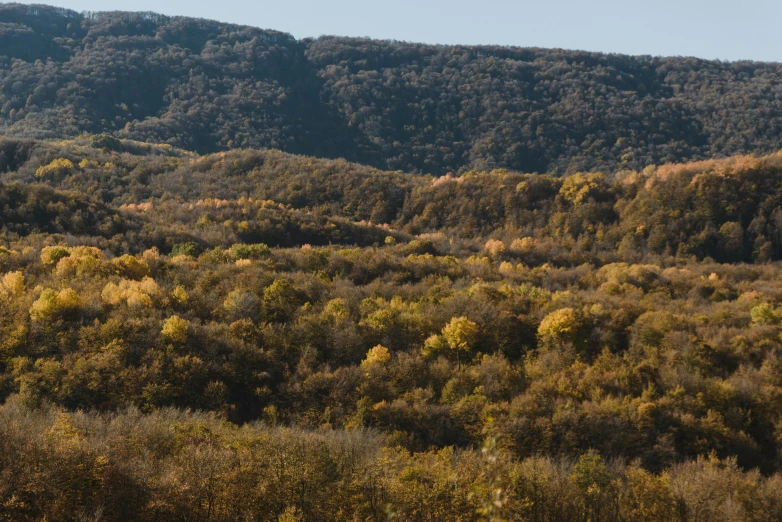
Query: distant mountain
[208, 86]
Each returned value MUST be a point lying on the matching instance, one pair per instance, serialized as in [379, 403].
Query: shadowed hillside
[206, 86]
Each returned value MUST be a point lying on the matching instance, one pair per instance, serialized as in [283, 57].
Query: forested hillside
[263, 336]
[249, 277]
[207, 86]
[728, 210]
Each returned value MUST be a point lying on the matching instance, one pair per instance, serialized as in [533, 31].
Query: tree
[495, 248]
[52, 304]
[13, 284]
[595, 484]
[560, 326]
[460, 334]
[377, 356]
[241, 304]
[175, 329]
[732, 241]
[280, 299]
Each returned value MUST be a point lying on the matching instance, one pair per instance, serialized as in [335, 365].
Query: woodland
[249, 278]
[254, 335]
[207, 87]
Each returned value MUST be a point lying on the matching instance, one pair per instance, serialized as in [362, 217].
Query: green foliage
[52, 255]
[280, 299]
[395, 105]
[189, 249]
[241, 251]
[106, 142]
[764, 314]
[594, 481]
[39, 209]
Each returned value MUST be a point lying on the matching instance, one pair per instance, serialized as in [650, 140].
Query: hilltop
[207, 86]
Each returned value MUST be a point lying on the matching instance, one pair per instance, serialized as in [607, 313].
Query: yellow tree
[175, 329]
[460, 334]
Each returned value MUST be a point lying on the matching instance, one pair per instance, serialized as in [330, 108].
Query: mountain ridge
[209, 86]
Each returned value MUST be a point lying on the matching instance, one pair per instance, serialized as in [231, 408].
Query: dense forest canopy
[729, 210]
[207, 86]
[258, 335]
[249, 277]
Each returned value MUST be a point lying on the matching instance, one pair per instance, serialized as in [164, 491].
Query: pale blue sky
[723, 29]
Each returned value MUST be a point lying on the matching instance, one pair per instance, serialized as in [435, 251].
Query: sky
[713, 29]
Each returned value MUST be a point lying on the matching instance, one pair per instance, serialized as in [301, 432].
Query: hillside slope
[207, 86]
[728, 209]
